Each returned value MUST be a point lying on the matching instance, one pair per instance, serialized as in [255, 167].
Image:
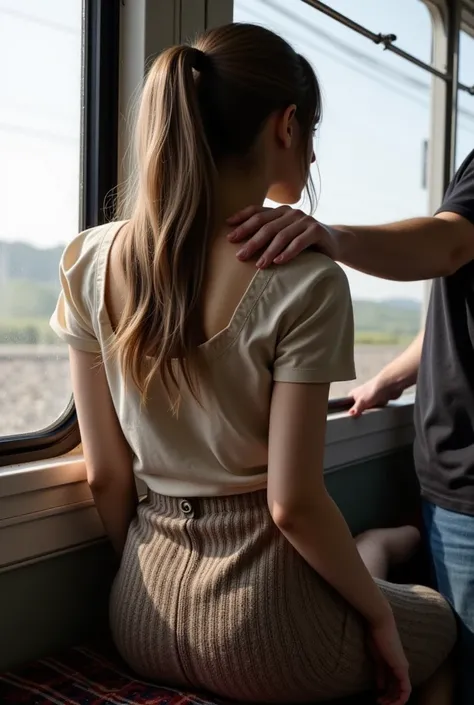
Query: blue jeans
[451, 541]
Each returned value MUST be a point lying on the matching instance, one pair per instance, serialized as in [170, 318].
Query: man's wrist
[391, 383]
[338, 241]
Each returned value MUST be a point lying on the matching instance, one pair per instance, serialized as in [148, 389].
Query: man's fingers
[281, 233]
[256, 219]
[245, 214]
[280, 242]
[299, 244]
[272, 232]
[358, 408]
[266, 233]
[258, 228]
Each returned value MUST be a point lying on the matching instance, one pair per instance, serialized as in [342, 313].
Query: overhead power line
[51, 24]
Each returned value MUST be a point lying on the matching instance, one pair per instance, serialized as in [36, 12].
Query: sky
[369, 147]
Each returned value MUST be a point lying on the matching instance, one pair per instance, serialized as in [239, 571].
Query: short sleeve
[459, 197]
[317, 345]
[72, 318]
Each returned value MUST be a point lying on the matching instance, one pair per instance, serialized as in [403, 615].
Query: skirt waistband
[189, 507]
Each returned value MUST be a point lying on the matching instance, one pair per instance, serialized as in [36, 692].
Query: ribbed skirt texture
[211, 596]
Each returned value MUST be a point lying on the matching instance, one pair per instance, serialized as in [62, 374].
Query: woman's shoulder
[82, 259]
[309, 271]
[85, 247]
[315, 322]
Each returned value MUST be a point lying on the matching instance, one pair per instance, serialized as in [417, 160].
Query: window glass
[40, 123]
[465, 121]
[413, 34]
[370, 148]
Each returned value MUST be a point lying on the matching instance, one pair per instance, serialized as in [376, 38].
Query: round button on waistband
[186, 507]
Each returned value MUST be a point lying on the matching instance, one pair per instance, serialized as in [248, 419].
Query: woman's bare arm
[107, 454]
[300, 504]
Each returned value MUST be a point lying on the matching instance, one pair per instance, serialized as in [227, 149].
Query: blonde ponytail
[165, 251]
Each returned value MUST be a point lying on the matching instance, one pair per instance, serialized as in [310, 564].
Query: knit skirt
[210, 595]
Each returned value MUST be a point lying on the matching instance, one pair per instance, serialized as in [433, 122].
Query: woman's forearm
[322, 537]
[117, 505]
[410, 250]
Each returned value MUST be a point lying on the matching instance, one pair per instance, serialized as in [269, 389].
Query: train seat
[95, 675]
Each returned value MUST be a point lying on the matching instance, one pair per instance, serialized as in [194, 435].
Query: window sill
[379, 431]
[46, 507]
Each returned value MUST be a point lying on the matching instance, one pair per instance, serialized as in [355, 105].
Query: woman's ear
[286, 126]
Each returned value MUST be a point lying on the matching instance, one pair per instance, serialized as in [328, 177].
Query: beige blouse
[293, 324]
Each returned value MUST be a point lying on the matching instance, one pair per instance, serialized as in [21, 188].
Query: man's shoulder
[459, 196]
[465, 170]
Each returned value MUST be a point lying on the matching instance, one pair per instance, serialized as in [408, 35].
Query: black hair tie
[201, 60]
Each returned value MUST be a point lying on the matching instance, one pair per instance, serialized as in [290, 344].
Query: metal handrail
[387, 40]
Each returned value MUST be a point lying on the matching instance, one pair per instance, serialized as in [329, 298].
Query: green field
[368, 338]
[386, 322]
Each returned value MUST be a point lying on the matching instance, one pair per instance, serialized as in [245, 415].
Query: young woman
[209, 381]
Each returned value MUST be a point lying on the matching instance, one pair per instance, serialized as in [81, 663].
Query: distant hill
[29, 282]
[390, 322]
[19, 260]
[29, 287]
[404, 303]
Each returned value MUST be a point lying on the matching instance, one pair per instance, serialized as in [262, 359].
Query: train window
[370, 148]
[465, 122]
[40, 131]
[389, 17]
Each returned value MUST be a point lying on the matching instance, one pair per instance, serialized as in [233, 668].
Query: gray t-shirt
[444, 410]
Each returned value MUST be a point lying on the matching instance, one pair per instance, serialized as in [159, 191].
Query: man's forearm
[402, 372]
[410, 250]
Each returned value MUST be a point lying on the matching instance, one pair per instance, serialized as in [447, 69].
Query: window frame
[98, 175]
[119, 39]
[446, 27]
